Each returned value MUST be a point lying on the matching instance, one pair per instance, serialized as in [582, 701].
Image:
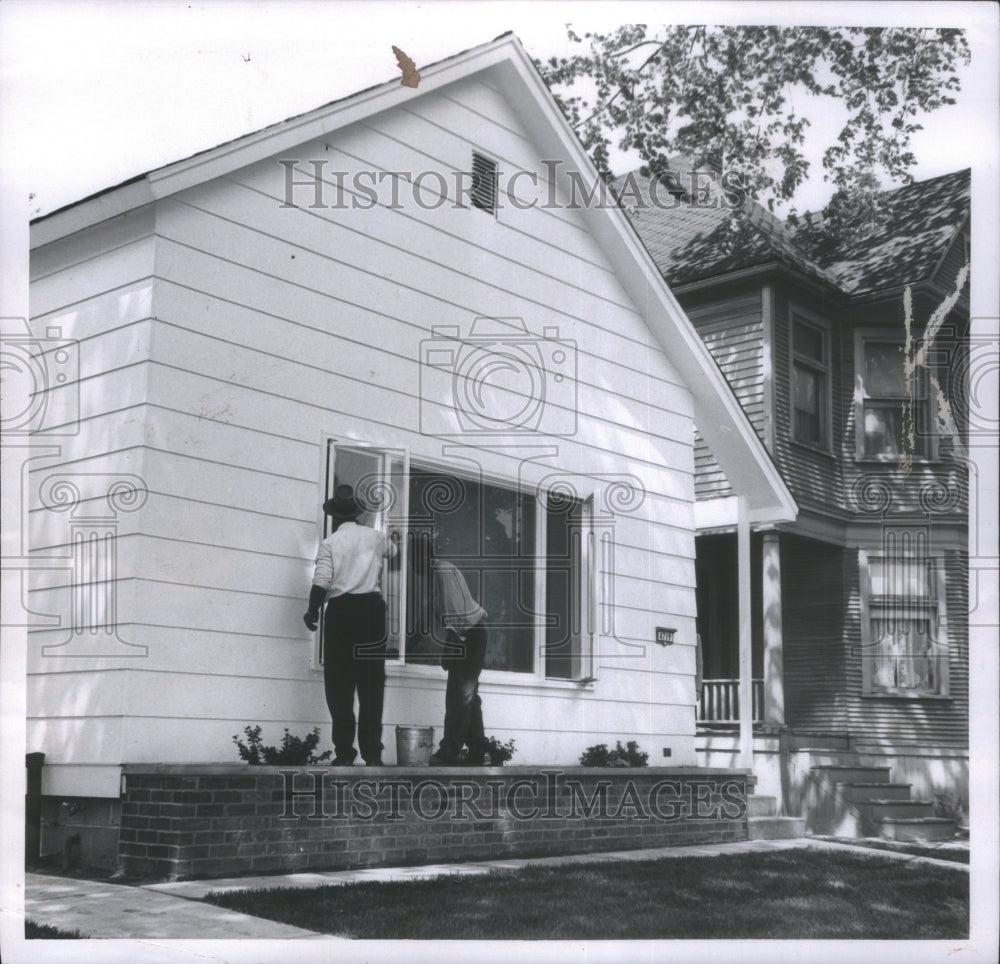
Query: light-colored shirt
[453, 601]
[349, 560]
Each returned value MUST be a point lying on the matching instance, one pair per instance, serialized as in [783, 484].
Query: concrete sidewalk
[176, 910]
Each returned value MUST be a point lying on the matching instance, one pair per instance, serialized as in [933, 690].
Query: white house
[418, 288]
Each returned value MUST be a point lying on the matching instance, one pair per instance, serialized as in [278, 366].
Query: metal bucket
[414, 745]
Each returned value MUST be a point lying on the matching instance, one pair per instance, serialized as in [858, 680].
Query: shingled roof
[920, 220]
[693, 240]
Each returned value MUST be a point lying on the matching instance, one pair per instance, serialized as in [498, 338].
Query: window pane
[487, 532]
[362, 470]
[905, 654]
[884, 373]
[884, 428]
[806, 388]
[563, 591]
[899, 577]
[807, 341]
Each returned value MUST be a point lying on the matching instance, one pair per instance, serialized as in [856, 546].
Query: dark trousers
[463, 709]
[354, 662]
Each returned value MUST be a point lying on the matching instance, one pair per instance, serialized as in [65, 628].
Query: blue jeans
[463, 709]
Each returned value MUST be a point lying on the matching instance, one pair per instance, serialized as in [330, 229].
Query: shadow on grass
[791, 895]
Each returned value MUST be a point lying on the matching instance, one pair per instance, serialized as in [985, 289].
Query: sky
[100, 91]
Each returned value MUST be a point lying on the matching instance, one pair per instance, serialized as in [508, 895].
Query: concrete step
[831, 775]
[761, 806]
[776, 828]
[924, 829]
[865, 792]
[877, 810]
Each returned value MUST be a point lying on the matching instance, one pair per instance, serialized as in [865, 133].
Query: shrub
[293, 750]
[499, 752]
[621, 756]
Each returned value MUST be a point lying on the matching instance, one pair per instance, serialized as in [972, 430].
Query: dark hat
[343, 505]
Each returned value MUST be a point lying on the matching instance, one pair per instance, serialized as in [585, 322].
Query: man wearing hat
[347, 576]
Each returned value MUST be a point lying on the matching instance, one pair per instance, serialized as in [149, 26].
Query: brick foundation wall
[189, 821]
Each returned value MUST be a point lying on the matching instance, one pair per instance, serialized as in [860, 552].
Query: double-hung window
[904, 625]
[527, 557]
[892, 405]
[810, 383]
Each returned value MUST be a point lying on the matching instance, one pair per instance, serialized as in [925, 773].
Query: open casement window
[526, 558]
[378, 478]
[810, 383]
[892, 411]
[903, 625]
[570, 588]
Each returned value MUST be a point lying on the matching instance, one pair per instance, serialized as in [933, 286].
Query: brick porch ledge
[186, 821]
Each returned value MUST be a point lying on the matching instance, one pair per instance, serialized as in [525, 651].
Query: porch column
[746, 665]
[774, 683]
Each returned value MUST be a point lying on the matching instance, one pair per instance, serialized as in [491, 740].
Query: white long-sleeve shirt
[349, 560]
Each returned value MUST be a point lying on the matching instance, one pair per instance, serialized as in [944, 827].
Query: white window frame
[862, 336]
[824, 369]
[870, 607]
[394, 574]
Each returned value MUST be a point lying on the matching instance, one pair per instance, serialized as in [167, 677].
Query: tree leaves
[732, 92]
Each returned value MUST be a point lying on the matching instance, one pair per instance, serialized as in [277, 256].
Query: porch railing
[720, 701]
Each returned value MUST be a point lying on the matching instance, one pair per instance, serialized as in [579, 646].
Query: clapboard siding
[947, 273]
[267, 326]
[813, 602]
[924, 721]
[96, 288]
[934, 489]
[814, 477]
[732, 329]
[433, 279]
[823, 653]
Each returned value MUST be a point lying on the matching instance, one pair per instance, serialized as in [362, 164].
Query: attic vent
[484, 183]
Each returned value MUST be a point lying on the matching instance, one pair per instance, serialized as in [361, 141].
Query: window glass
[906, 655]
[806, 391]
[884, 372]
[564, 572]
[893, 424]
[901, 577]
[487, 531]
[809, 384]
[808, 341]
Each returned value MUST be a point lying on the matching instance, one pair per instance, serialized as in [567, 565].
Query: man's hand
[316, 596]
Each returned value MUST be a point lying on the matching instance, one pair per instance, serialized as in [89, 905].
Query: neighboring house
[286, 310]
[860, 622]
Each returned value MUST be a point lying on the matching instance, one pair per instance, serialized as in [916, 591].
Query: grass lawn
[792, 894]
[45, 932]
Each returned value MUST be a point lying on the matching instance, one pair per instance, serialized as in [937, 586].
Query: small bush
[499, 752]
[293, 750]
[621, 756]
